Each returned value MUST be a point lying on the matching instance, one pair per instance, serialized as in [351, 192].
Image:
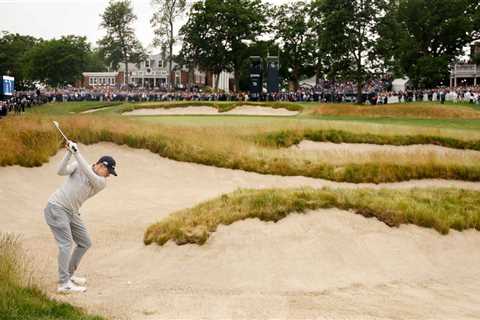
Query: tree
[58, 62]
[349, 35]
[166, 12]
[13, 51]
[120, 43]
[217, 30]
[427, 36]
[95, 61]
[291, 26]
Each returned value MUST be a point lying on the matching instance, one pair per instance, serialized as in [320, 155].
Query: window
[160, 63]
[95, 80]
[90, 80]
[113, 80]
[147, 63]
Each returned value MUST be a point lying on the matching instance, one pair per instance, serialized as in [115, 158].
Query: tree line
[334, 39]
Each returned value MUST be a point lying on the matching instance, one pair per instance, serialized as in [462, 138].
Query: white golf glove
[72, 146]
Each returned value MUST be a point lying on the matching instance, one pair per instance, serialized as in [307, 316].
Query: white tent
[310, 82]
[399, 84]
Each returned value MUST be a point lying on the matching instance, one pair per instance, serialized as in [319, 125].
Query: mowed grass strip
[31, 141]
[440, 209]
[20, 298]
[419, 110]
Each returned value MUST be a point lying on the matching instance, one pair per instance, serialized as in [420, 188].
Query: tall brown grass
[440, 209]
[30, 141]
[413, 110]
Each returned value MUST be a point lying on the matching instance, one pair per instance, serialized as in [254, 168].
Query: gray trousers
[67, 227]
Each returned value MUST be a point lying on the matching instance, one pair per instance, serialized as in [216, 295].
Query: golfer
[63, 216]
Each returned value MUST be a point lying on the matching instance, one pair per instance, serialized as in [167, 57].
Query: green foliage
[13, 51]
[165, 15]
[120, 43]
[58, 62]
[291, 27]
[421, 38]
[215, 30]
[440, 209]
[347, 31]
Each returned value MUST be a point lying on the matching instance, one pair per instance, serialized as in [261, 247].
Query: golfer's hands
[71, 146]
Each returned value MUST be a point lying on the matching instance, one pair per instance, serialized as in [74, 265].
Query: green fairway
[226, 121]
[71, 107]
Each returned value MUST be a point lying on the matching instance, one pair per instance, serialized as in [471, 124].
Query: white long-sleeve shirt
[82, 183]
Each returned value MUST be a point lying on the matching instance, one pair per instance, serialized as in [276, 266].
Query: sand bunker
[96, 110]
[325, 264]
[204, 110]
[360, 151]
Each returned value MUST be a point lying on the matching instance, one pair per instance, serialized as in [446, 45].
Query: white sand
[328, 264]
[370, 152]
[350, 148]
[204, 110]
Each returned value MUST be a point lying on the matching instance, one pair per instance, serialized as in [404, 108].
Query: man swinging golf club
[62, 212]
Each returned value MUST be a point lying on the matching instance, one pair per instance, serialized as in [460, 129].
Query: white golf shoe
[70, 287]
[79, 281]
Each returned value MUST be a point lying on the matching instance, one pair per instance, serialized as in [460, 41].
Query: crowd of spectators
[373, 92]
[20, 101]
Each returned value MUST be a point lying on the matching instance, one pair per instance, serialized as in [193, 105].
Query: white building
[151, 73]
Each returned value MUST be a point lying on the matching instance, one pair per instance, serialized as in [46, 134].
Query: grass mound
[287, 138]
[19, 298]
[441, 209]
[419, 110]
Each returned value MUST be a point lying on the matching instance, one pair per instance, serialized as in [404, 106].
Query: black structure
[256, 78]
[273, 65]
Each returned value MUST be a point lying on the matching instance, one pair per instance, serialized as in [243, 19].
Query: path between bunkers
[323, 264]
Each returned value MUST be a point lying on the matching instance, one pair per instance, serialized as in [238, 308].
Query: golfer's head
[105, 166]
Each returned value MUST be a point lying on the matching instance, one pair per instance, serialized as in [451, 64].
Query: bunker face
[328, 263]
[204, 110]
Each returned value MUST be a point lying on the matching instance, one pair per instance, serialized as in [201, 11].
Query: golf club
[57, 125]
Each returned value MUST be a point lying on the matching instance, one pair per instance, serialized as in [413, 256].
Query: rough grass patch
[31, 140]
[419, 110]
[440, 209]
[20, 298]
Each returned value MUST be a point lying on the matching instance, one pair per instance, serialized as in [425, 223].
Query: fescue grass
[287, 138]
[440, 209]
[20, 298]
[419, 110]
[30, 141]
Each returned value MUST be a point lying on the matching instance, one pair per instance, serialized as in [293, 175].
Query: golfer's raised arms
[81, 184]
[65, 169]
[97, 181]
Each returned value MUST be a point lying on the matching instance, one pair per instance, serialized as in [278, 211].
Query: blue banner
[8, 85]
